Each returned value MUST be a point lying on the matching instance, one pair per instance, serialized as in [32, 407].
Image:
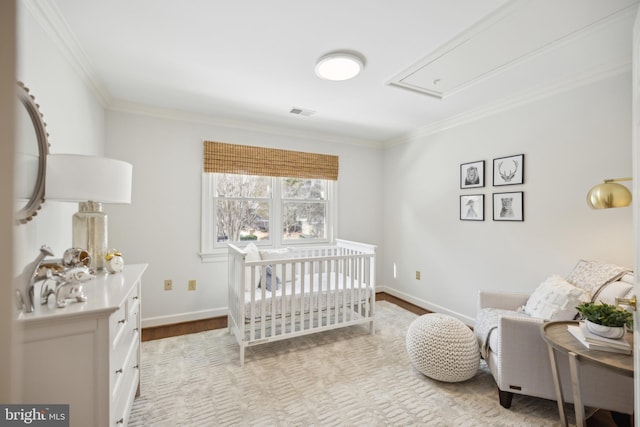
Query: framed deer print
[508, 206]
[508, 170]
[472, 174]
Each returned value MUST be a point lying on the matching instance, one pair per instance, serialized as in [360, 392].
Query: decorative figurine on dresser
[63, 277]
[113, 261]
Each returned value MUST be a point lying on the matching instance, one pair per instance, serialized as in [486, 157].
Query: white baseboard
[426, 305]
[183, 317]
[217, 312]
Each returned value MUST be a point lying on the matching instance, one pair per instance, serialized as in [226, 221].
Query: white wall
[571, 141]
[162, 225]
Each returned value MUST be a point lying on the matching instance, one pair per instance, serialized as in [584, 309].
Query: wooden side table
[559, 339]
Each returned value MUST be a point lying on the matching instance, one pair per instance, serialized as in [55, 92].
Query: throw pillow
[555, 299]
[593, 275]
[280, 254]
[609, 292]
[253, 254]
[269, 280]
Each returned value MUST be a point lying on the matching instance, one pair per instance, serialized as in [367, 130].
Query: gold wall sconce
[609, 194]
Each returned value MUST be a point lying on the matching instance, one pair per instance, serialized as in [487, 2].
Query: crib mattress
[308, 293]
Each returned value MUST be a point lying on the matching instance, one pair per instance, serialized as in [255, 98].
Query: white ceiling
[252, 61]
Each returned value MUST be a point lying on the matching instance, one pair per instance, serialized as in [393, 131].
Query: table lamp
[90, 181]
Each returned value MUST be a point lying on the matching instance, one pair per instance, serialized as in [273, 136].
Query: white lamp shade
[78, 178]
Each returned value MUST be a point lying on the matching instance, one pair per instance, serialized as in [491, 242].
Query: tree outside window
[249, 207]
[304, 208]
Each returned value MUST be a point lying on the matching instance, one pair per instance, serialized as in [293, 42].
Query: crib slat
[322, 273]
[334, 306]
[263, 308]
[310, 294]
[283, 297]
[360, 286]
[293, 297]
[363, 287]
[352, 285]
[303, 275]
[252, 306]
[274, 284]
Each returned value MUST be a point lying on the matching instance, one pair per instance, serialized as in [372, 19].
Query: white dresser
[87, 354]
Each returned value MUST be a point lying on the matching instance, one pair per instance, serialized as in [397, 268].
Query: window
[270, 211]
[271, 196]
[304, 208]
[242, 207]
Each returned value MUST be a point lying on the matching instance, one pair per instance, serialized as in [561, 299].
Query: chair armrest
[501, 300]
[524, 356]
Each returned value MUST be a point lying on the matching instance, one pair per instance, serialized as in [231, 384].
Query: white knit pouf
[443, 348]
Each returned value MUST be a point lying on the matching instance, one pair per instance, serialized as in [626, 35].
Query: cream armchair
[519, 360]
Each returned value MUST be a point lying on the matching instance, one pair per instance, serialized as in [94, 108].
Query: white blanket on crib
[308, 293]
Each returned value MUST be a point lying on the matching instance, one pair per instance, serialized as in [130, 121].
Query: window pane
[242, 220]
[303, 220]
[229, 185]
[302, 188]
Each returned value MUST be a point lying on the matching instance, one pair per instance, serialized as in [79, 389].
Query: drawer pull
[135, 329]
[135, 367]
[119, 371]
[135, 298]
[120, 421]
[122, 321]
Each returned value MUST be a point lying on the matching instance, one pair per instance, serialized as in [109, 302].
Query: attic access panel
[514, 34]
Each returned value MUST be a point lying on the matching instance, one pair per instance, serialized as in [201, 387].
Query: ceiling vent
[302, 112]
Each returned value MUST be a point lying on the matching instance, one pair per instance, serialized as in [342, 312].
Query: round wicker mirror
[32, 147]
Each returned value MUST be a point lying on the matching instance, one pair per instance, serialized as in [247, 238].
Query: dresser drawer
[117, 323]
[133, 301]
[125, 385]
[128, 338]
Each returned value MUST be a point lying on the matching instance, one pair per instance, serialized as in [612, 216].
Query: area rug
[344, 377]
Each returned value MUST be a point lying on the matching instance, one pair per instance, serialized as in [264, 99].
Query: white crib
[320, 288]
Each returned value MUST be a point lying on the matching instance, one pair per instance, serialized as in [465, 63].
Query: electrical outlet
[168, 285]
[192, 285]
[417, 275]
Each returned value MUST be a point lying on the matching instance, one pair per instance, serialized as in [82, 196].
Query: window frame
[212, 251]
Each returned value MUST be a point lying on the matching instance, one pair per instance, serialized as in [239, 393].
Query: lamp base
[90, 233]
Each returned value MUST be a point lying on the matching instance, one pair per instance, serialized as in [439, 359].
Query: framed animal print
[508, 206]
[472, 207]
[472, 174]
[508, 170]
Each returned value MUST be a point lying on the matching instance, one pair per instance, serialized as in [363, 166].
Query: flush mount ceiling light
[339, 66]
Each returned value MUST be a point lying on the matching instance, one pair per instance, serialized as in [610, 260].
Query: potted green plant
[605, 319]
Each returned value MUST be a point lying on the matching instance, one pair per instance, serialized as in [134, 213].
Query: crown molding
[518, 100]
[48, 16]
[123, 106]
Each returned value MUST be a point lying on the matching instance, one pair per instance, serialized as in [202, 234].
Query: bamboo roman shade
[220, 157]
